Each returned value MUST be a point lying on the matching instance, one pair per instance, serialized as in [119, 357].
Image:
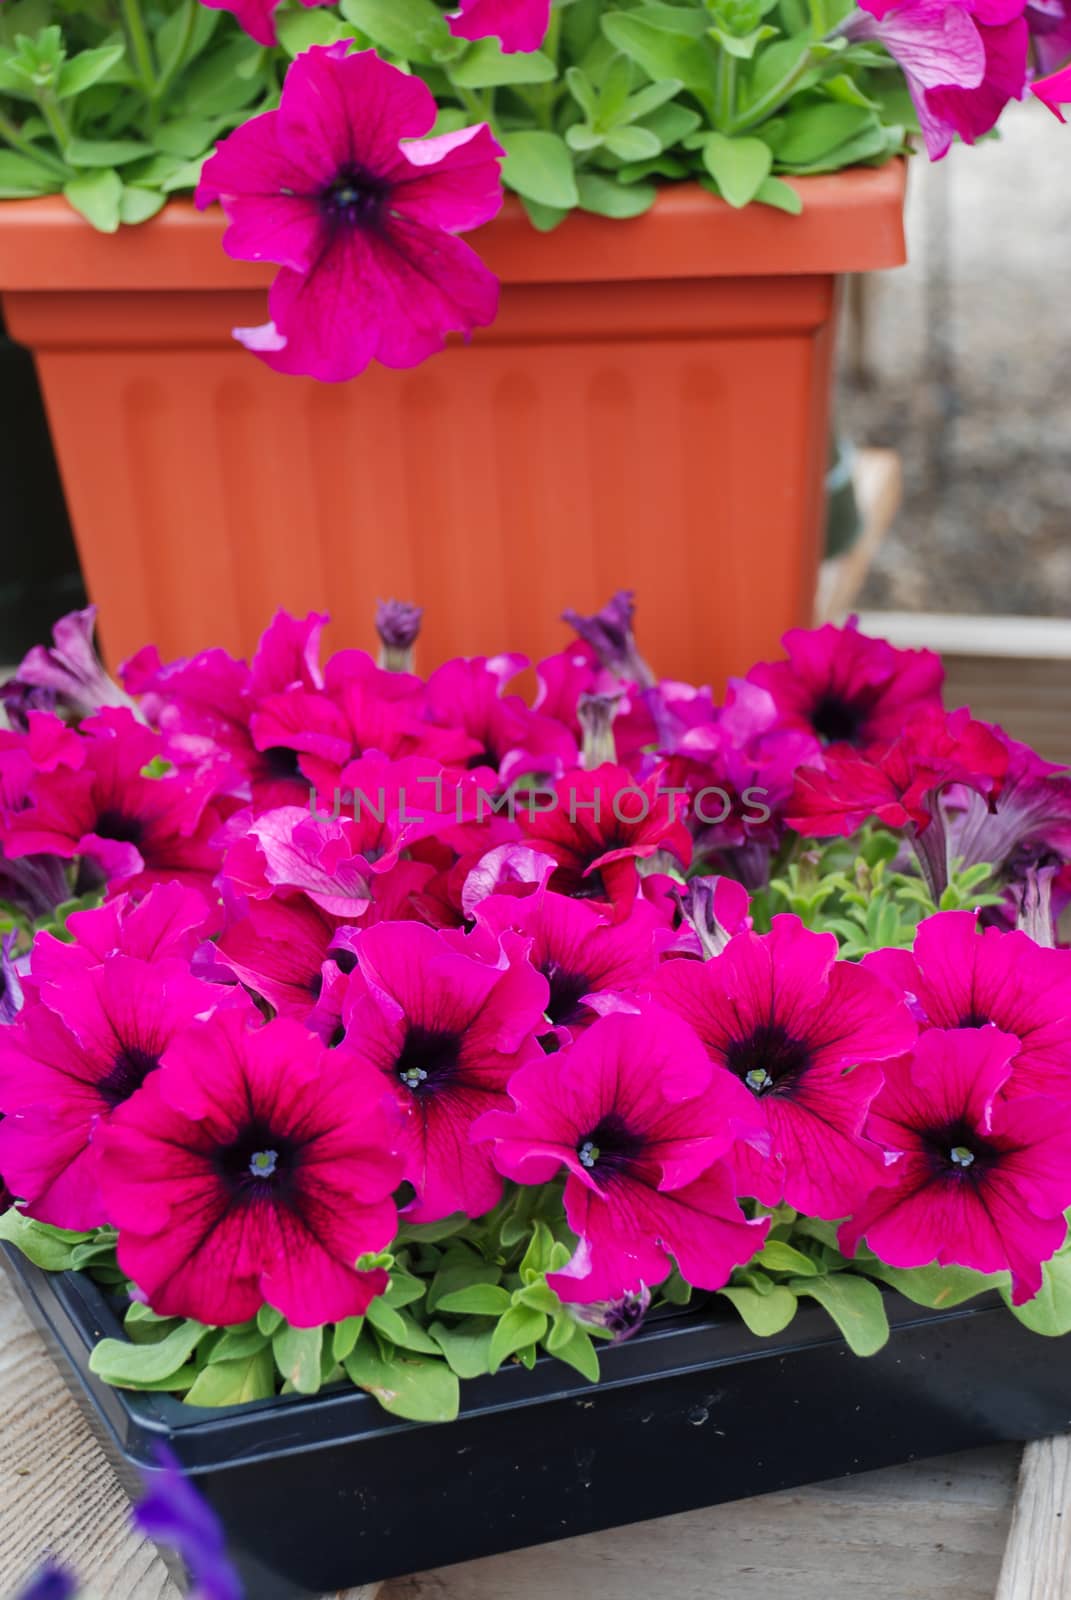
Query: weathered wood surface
[932, 1531]
[1037, 1558]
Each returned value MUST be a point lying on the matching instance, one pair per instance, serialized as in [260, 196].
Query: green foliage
[117, 106]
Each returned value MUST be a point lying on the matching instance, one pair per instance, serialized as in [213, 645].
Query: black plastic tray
[321, 1492]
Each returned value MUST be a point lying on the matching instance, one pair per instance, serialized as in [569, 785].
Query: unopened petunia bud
[609, 633]
[398, 624]
[596, 713]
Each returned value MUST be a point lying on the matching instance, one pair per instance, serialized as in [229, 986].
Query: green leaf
[21, 177]
[105, 152]
[403, 1289]
[227, 80]
[739, 166]
[138, 205]
[96, 196]
[238, 1342]
[431, 1232]
[579, 1353]
[461, 1274]
[663, 54]
[87, 68]
[776, 1256]
[935, 1286]
[856, 1306]
[231, 1383]
[408, 1386]
[764, 1314]
[269, 1320]
[607, 197]
[47, 1247]
[191, 136]
[633, 144]
[413, 29]
[118, 1361]
[345, 1337]
[387, 1320]
[482, 1299]
[810, 133]
[544, 219]
[485, 65]
[297, 30]
[467, 1348]
[775, 192]
[539, 166]
[519, 1327]
[297, 1354]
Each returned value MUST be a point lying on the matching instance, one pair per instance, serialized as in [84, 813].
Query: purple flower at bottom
[69, 670]
[620, 1318]
[360, 212]
[52, 1582]
[173, 1513]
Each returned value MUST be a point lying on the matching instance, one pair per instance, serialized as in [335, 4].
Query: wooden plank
[57, 1492]
[933, 1530]
[1037, 1559]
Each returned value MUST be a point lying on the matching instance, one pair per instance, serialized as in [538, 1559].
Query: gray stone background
[962, 363]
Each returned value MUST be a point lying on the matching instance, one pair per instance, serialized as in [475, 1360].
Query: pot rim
[852, 221]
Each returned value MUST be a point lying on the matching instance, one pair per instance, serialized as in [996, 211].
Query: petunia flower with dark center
[72, 1058]
[634, 1114]
[254, 1166]
[361, 213]
[446, 1028]
[805, 1034]
[973, 1179]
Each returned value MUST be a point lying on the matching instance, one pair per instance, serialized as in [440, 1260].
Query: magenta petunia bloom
[517, 24]
[505, 735]
[639, 1122]
[257, 17]
[590, 964]
[360, 212]
[958, 976]
[170, 921]
[70, 1060]
[805, 1033]
[255, 1166]
[598, 826]
[963, 60]
[845, 688]
[281, 949]
[446, 1029]
[900, 784]
[135, 830]
[977, 1181]
[1055, 91]
[1049, 22]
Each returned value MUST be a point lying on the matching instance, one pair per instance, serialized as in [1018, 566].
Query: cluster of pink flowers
[371, 945]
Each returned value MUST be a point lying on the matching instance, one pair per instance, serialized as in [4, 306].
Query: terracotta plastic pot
[649, 411]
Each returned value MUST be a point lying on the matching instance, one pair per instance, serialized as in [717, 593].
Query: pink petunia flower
[843, 687]
[959, 976]
[517, 24]
[283, 949]
[804, 1033]
[167, 923]
[70, 1061]
[360, 213]
[590, 964]
[506, 736]
[255, 1166]
[598, 825]
[135, 830]
[446, 1030]
[1055, 91]
[900, 784]
[977, 1181]
[636, 1118]
[963, 60]
[257, 17]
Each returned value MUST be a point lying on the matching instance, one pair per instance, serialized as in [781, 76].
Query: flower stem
[11, 135]
[139, 44]
[725, 90]
[774, 97]
[57, 122]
